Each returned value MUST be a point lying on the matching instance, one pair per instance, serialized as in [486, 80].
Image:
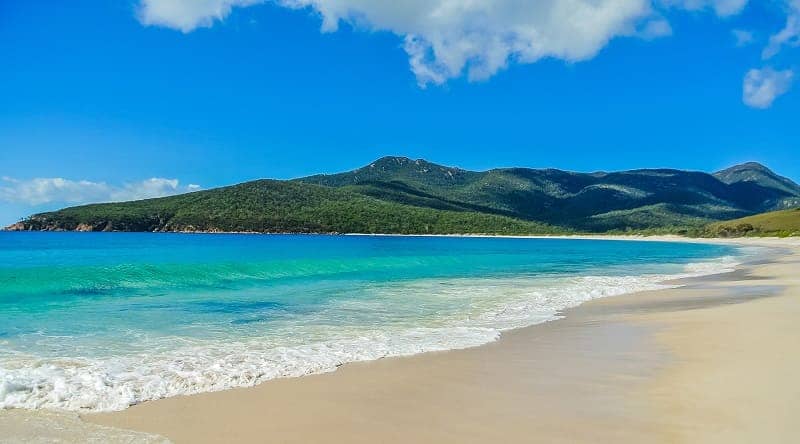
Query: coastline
[620, 338]
[744, 240]
[621, 364]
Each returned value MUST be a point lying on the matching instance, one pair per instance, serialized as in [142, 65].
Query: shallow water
[100, 321]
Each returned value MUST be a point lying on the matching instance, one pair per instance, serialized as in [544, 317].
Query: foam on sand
[488, 307]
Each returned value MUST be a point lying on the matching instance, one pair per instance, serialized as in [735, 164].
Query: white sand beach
[706, 362]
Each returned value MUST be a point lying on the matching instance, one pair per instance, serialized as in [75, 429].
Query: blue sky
[105, 100]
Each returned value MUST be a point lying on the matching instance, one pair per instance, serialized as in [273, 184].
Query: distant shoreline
[632, 237]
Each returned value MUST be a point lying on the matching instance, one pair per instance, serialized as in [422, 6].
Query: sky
[117, 100]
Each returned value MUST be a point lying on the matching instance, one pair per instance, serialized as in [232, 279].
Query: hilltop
[596, 202]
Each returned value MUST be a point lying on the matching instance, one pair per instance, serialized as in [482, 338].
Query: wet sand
[18, 426]
[712, 361]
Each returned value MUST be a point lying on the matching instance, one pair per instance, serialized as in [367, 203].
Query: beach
[709, 361]
[377, 222]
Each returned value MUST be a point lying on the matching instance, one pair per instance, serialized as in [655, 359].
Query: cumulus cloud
[448, 38]
[762, 86]
[445, 39]
[58, 190]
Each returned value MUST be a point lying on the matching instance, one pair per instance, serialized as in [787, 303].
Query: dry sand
[713, 361]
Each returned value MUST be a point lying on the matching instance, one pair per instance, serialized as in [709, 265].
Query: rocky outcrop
[19, 226]
[84, 227]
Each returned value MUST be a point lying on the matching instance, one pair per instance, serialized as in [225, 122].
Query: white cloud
[446, 39]
[762, 86]
[742, 37]
[49, 190]
[788, 36]
[186, 15]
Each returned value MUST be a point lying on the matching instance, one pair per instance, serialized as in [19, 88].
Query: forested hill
[600, 201]
[271, 206]
[401, 195]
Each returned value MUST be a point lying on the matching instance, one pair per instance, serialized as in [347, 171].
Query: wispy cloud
[762, 86]
[723, 8]
[788, 36]
[742, 37]
[655, 29]
[41, 191]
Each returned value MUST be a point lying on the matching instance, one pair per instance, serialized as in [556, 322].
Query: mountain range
[402, 195]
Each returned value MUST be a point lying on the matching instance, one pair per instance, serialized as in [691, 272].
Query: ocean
[102, 321]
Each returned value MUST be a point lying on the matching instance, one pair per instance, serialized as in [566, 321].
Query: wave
[497, 304]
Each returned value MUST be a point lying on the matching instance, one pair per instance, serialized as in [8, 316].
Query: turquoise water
[100, 321]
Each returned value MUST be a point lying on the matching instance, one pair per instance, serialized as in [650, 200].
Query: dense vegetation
[775, 223]
[400, 195]
[649, 199]
[277, 207]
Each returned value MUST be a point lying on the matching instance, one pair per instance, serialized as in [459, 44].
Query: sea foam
[494, 304]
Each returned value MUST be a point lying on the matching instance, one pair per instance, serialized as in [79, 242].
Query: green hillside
[775, 223]
[627, 200]
[401, 195]
[277, 207]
